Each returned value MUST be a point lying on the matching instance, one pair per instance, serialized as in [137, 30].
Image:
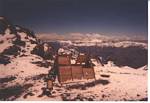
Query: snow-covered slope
[111, 84]
[22, 74]
[20, 71]
[14, 37]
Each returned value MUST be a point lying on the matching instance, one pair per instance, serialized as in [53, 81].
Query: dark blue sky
[85, 16]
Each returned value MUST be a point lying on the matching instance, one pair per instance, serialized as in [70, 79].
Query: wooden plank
[68, 72]
[65, 73]
[65, 78]
[88, 73]
[50, 84]
[63, 60]
[77, 72]
[64, 70]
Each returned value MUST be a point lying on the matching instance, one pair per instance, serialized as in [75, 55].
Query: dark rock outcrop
[5, 24]
[4, 59]
[14, 35]
[12, 50]
[45, 54]
[133, 56]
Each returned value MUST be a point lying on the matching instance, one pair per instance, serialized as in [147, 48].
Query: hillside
[25, 63]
